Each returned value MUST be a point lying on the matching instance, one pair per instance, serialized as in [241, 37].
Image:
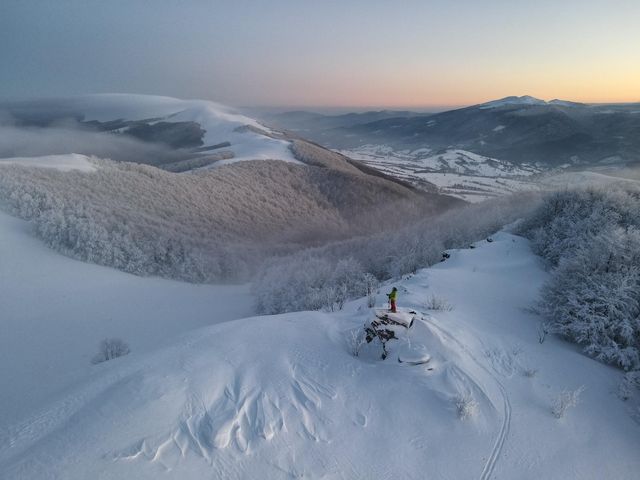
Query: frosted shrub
[466, 406]
[110, 348]
[355, 340]
[543, 330]
[435, 302]
[629, 383]
[371, 284]
[308, 282]
[349, 280]
[529, 372]
[565, 400]
[331, 298]
[573, 217]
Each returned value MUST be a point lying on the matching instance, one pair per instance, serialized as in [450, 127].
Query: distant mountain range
[515, 129]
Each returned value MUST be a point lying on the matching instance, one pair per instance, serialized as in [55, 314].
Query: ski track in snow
[498, 446]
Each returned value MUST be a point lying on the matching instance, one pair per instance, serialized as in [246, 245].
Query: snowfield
[283, 397]
[454, 172]
[56, 310]
[470, 176]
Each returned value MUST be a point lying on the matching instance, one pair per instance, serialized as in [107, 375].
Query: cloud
[67, 137]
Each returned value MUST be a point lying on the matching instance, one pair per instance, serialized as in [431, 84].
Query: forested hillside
[209, 226]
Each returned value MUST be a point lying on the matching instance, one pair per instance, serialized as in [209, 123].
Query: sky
[403, 53]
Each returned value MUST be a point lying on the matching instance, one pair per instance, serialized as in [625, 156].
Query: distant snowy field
[281, 396]
[455, 172]
[470, 176]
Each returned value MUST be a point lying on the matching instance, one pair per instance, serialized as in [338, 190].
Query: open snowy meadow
[284, 396]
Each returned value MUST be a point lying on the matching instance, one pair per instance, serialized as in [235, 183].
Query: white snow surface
[64, 162]
[459, 173]
[282, 397]
[55, 311]
[451, 161]
[219, 121]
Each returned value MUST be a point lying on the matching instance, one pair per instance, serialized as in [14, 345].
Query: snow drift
[282, 396]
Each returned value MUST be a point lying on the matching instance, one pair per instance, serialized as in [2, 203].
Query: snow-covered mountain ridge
[221, 123]
[144, 128]
[513, 100]
[520, 130]
[526, 100]
[282, 396]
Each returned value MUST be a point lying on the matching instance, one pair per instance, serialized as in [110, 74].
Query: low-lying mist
[70, 137]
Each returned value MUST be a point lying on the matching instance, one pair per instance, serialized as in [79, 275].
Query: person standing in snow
[392, 299]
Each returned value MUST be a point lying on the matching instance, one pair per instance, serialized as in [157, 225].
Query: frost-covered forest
[206, 226]
[312, 237]
[591, 239]
[319, 277]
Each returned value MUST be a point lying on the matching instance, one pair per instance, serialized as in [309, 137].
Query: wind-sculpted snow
[288, 400]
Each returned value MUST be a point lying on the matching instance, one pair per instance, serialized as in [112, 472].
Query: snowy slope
[55, 310]
[282, 397]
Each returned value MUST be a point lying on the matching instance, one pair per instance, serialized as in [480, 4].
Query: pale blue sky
[297, 53]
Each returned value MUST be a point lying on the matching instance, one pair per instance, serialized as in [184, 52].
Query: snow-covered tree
[111, 348]
[592, 239]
